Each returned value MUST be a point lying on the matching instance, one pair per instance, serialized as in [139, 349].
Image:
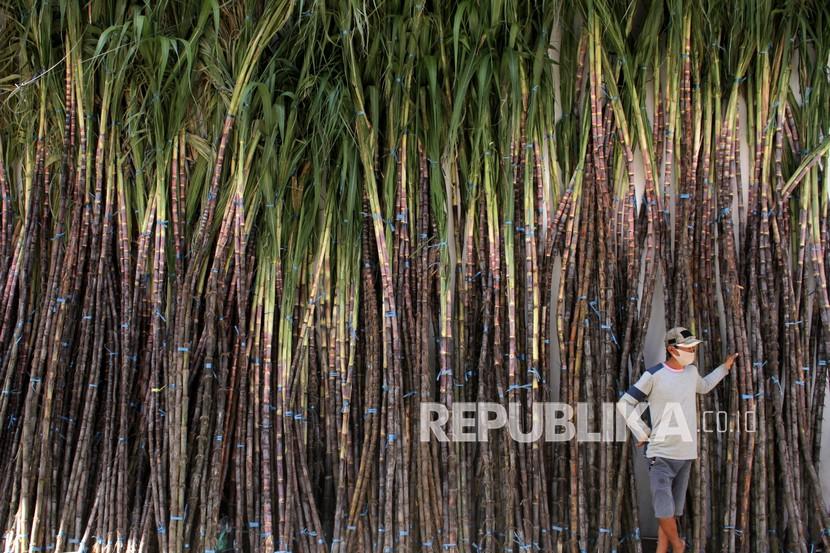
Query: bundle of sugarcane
[242, 244]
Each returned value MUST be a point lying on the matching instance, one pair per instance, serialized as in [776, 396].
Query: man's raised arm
[706, 383]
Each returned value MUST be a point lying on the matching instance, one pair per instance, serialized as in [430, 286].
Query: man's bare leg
[662, 541]
[668, 527]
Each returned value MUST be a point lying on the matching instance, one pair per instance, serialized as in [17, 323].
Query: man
[670, 388]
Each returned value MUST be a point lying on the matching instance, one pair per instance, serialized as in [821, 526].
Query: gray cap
[679, 336]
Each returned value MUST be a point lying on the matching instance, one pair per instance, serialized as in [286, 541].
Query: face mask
[684, 357]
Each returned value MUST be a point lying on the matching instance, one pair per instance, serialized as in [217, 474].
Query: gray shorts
[668, 479]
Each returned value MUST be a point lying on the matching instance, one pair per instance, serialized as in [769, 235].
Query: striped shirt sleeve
[627, 406]
[706, 383]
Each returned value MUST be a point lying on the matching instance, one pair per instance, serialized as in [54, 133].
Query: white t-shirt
[672, 403]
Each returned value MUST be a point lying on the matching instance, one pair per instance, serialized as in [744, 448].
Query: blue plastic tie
[442, 372]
